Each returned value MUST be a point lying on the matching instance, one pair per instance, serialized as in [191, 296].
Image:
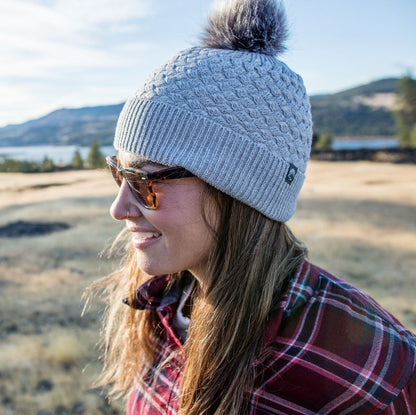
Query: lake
[59, 154]
[64, 154]
[369, 143]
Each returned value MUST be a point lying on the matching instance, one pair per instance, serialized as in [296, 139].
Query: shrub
[9, 165]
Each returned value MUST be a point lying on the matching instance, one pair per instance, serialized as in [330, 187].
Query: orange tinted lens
[142, 189]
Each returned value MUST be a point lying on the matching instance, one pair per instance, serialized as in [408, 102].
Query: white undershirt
[181, 322]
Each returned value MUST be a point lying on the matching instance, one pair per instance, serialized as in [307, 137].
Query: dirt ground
[358, 220]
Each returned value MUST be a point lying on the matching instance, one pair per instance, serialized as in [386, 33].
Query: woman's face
[172, 238]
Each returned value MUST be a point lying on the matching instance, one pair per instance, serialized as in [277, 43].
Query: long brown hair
[247, 270]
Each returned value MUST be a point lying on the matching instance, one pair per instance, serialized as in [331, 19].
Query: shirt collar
[151, 293]
[300, 288]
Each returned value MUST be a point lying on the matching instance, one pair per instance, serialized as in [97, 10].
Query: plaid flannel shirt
[334, 350]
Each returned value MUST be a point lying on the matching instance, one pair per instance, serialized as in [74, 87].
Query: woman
[216, 309]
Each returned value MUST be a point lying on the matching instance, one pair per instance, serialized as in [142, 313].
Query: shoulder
[329, 348]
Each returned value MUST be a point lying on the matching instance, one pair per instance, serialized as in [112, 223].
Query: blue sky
[74, 53]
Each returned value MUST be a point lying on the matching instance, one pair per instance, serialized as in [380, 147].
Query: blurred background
[67, 66]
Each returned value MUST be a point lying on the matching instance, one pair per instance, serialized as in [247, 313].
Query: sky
[76, 53]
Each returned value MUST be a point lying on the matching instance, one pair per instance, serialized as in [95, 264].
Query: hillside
[65, 126]
[362, 111]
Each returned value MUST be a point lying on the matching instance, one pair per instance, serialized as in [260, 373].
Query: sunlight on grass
[356, 218]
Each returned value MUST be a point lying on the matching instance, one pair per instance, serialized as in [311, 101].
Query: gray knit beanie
[230, 112]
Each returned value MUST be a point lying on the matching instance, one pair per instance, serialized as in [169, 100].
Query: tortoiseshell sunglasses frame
[143, 180]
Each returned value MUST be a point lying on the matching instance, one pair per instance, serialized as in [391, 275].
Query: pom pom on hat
[252, 25]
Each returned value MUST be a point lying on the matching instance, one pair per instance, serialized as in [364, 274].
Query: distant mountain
[65, 126]
[366, 110]
[362, 111]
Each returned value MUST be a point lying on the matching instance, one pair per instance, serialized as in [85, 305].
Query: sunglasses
[141, 181]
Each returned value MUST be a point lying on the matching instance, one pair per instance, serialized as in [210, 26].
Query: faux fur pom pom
[253, 25]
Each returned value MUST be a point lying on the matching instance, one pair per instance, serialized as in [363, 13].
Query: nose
[125, 204]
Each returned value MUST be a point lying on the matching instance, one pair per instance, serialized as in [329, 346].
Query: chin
[153, 267]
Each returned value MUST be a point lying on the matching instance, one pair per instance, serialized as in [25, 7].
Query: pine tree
[95, 159]
[77, 162]
[323, 142]
[413, 137]
[405, 114]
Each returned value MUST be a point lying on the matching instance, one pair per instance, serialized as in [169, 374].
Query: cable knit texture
[239, 120]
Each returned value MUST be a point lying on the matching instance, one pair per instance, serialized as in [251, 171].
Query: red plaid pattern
[332, 350]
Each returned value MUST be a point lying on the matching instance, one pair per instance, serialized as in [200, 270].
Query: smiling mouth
[142, 240]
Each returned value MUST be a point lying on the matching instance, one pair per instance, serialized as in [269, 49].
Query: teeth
[148, 235]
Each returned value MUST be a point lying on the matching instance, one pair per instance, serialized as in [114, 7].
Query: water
[59, 154]
[64, 154]
[373, 143]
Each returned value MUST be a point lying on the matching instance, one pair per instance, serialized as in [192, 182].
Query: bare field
[358, 220]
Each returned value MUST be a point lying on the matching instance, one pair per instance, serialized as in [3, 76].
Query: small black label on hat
[291, 173]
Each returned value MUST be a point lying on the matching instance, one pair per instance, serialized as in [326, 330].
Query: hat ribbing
[238, 120]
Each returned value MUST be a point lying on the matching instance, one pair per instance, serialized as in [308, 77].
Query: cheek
[181, 216]
[183, 224]
[179, 205]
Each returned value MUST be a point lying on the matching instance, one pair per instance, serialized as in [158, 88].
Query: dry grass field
[358, 220]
